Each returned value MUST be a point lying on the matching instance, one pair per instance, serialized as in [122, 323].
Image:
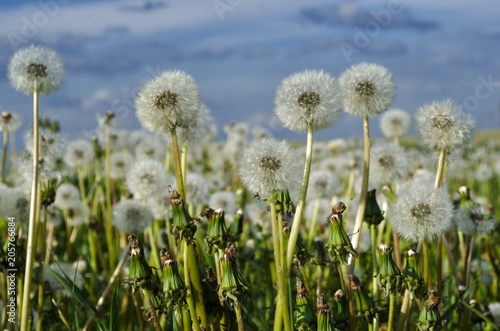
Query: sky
[238, 51]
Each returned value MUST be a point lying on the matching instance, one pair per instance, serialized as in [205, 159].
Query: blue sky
[239, 50]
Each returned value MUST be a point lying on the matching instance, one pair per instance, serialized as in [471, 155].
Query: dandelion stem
[279, 270]
[178, 168]
[30, 249]
[152, 311]
[109, 216]
[4, 154]
[364, 188]
[301, 202]
[437, 184]
[196, 286]
[391, 311]
[350, 299]
[404, 311]
[313, 224]
[239, 317]
[189, 296]
[374, 272]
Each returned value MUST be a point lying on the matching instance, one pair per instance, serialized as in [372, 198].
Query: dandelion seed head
[120, 163]
[308, 97]
[388, 163]
[268, 165]
[77, 215]
[442, 124]
[10, 121]
[197, 189]
[150, 148]
[67, 196]
[146, 178]
[367, 89]
[324, 210]
[322, 184]
[36, 68]
[67, 271]
[421, 211]
[199, 129]
[131, 216]
[395, 123]
[78, 153]
[161, 206]
[224, 200]
[167, 101]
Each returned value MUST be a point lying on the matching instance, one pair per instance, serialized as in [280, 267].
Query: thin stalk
[178, 168]
[3, 283]
[4, 154]
[154, 247]
[40, 281]
[138, 310]
[239, 317]
[301, 202]
[196, 286]
[178, 317]
[217, 266]
[437, 184]
[374, 273]
[391, 311]
[310, 237]
[350, 299]
[404, 311]
[189, 296]
[279, 271]
[109, 215]
[152, 311]
[364, 188]
[30, 249]
[184, 161]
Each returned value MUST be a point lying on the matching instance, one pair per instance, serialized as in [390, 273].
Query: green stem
[391, 311]
[189, 296]
[310, 238]
[279, 270]
[350, 299]
[374, 272]
[178, 168]
[152, 311]
[196, 286]
[30, 249]
[109, 214]
[239, 317]
[184, 161]
[364, 188]
[302, 199]
[4, 155]
[437, 184]
[405, 308]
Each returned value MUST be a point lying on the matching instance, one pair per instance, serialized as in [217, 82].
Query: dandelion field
[168, 228]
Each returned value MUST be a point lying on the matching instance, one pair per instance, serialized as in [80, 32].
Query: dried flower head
[308, 97]
[78, 153]
[268, 166]
[131, 216]
[167, 101]
[367, 89]
[395, 123]
[36, 68]
[442, 124]
[421, 211]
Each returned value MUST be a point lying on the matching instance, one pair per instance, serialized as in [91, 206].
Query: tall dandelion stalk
[34, 70]
[367, 91]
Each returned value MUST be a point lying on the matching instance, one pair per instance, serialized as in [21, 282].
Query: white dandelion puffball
[67, 196]
[36, 68]
[225, 200]
[20, 207]
[119, 164]
[161, 206]
[167, 101]
[198, 130]
[268, 166]
[10, 121]
[197, 188]
[77, 215]
[388, 162]
[131, 216]
[442, 124]
[78, 153]
[322, 184]
[395, 123]
[150, 148]
[421, 211]
[68, 272]
[324, 210]
[146, 178]
[308, 97]
[367, 89]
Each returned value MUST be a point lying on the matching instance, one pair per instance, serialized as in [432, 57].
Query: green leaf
[78, 295]
[113, 312]
[480, 314]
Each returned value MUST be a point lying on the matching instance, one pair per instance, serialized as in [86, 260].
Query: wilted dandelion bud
[443, 125]
[323, 314]
[413, 280]
[395, 123]
[341, 314]
[389, 275]
[232, 286]
[373, 214]
[183, 226]
[339, 246]
[421, 211]
[367, 89]
[269, 166]
[308, 97]
[304, 316]
[167, 101]
[173, 286]
[139, 270]
[430, 317]
[365, 306]
[36, 69]
[217, 233]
